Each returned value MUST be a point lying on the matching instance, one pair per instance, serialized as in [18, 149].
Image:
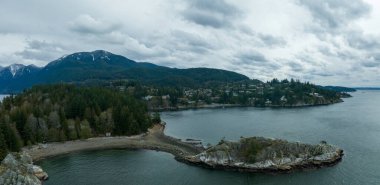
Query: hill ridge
[104, 65]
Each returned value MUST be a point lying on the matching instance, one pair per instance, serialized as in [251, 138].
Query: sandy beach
[154, 139]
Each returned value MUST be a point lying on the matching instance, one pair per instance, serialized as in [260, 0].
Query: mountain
[17, 76]
[103, 65]
[87, 65]
[17, 71]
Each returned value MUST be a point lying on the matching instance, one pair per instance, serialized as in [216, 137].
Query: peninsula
[67, 118]
[254, 154]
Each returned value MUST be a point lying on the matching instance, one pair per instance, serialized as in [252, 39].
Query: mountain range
[103, 65]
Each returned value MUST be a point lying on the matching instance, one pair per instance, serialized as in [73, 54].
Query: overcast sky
[328, 42]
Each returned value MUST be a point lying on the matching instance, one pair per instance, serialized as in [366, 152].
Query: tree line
[62, 112]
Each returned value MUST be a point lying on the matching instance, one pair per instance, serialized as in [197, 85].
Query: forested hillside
[274, 93]
[65, 112]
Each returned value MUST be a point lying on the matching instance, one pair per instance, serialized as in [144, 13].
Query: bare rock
[258, 154]
[18, 168]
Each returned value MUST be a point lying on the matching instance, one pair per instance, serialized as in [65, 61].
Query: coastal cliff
[258, 154]
[18, 169]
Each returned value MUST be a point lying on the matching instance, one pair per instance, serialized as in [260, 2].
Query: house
[316, 95]
[166, 97]
[148, 98]
[189, 93]
[191, 102]
[268, 102]
[121, 88]
[283, 99]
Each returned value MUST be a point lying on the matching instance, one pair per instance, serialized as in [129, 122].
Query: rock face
[19, 169]
[259, 154]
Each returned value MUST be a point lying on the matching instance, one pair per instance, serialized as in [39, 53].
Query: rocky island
[258, 154]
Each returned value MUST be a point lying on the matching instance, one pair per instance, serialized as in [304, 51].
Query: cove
[352, 125]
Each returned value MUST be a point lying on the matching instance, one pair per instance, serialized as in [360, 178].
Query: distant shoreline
[221, 106]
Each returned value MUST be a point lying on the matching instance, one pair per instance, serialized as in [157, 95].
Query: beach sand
[154, 139]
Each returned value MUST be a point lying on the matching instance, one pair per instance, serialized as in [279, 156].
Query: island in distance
[99, 94]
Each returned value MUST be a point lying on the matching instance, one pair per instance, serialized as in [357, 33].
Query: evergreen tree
[66, 112]
[3, 146]
[156, 118]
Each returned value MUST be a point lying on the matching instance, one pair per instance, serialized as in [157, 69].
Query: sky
[327, 42]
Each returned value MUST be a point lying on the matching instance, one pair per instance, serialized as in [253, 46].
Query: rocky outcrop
[259, 154]
[18, 169]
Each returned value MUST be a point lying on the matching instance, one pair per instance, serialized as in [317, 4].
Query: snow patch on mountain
[15, 68]
[63, 57]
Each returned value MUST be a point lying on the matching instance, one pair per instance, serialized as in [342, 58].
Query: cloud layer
[333, 42]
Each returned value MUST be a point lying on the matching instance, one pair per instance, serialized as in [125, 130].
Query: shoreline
[268, 170]
[154, 139]
[222, 106]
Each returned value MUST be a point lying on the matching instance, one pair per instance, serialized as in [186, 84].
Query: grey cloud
[335, 13]
[326, 51]
[86, 24]
[295, 66]
[333, 52]
[190, 42]
[321, 73]
[215, 14]
[340, 54]
[313, 74]
[255, 61]
[264, 40]
[270, 40]
[192, 39]
[371, 61]
[41, 50]
[140, 51]
[369, 48]
[376, 57]
[8, 59]
[251, 57]
[306, 58]
[325, 72]
[323, 35]
[363, 42]
[371, 64]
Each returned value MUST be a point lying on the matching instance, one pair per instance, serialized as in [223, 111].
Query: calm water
[353, 125]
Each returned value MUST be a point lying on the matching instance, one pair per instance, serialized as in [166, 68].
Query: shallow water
[353, 125]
